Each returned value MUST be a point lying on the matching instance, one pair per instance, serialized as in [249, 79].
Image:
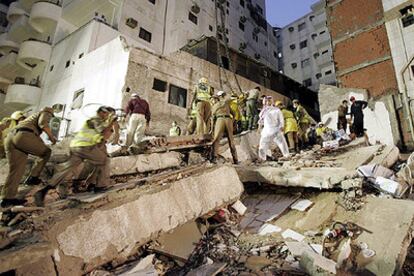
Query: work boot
[33, 180]
[39, 196]
[12, 202]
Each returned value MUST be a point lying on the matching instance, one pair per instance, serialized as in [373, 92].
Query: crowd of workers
[219, 114]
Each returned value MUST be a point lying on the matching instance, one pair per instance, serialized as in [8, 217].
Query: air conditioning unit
[257, 56]
[256, 30]
[243, 45]
[243, 19]
[131, 22]
[195, 8]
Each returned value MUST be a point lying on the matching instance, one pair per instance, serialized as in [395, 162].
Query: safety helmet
[17, 115]
[220, 93]
[278, 103]
[203, 81]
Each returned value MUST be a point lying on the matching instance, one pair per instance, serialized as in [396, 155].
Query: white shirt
[273, 120]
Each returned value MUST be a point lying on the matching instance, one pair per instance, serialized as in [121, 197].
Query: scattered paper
[302, 205]
[293, 235]
[318, 248]
[387, 185]
[239, 207]
[269, 229]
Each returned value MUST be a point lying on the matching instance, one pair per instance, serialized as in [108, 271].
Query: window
[328, 72]
[225, 62]
[255, 37]
[265, 43]
[325, 52]
[321, 33]
[301, 26]
[294, 65]
[51, 68]
[77, 99]
[305, 63]
[227, 11]
[241, 26]
[315, 55]
[131, 22]
[311, 17]
[159, 85]
[152, 1]
[303, 44]
[407, 20]
[192, 18]
[274, 54]
[318, 76]
[177, 96]
[313, 36]
[67, 64]
[412, 69]
[220, 36]
[228, 4]
[145, 35]
[210, 28]
[291, 29]
[307, 82]
[242, 3]
[80, 56]
[292, 46]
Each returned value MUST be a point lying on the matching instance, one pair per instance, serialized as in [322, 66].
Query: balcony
[6, 45]
[319, 21]
[33, 53]
[9, 69]
[44, 17]
[325, 60]
[22, 95]
[15, 12]
[20, 30]
[323, 40]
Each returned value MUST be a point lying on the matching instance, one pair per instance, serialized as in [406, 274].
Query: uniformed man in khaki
[23, 140]
[223, 125]
[88, 145]
[202, 94]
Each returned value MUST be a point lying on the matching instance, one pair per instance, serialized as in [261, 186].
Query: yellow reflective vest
[203, 93]
[291, 124]
[235, 111]
[87, 136]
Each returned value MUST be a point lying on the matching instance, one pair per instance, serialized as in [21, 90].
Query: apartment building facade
[46, 40]
[305, 51]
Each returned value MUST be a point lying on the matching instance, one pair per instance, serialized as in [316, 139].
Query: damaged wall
[179, 69]
[379, 117]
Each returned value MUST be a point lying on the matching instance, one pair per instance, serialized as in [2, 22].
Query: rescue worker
[291, 127]
[23, 140]
[175, 130]
[235, 111]
[244, 121]
[304, 121]
[87, 145]
[139, 119]
[6, 125]
[191, 127]
[223, 124]
[357, 116]
[202, 96]
[273, 128]
[321, 131]
[342, 112]
[252, 107]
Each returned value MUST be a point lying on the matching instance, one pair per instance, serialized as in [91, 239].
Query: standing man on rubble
[223, 124]
[342, 112]
[304, 120]
[6, 125]
[139, 119]
[87, 145]
[357, 116]
[23, 140]
[291, 127]
[252, 110]
[273, 128]
[202, 96]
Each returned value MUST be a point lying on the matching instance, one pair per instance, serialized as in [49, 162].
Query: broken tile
[302, 205]
[239, 207]
[290, 234]
[269, 229]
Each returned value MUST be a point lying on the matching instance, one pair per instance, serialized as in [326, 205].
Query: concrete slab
[390, 220]
[321, 178]
[145, 163]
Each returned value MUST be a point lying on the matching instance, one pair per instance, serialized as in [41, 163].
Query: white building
[47, 41]
[305, 49]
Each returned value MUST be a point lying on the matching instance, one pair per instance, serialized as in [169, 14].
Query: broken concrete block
[386, 157]
[195, 158]
[351, 183]
[239, 207]
[145, 163]
[317, 265]
[321, 178]
[143, 267]
[297, 248]
[144, 216]
[290, 234]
